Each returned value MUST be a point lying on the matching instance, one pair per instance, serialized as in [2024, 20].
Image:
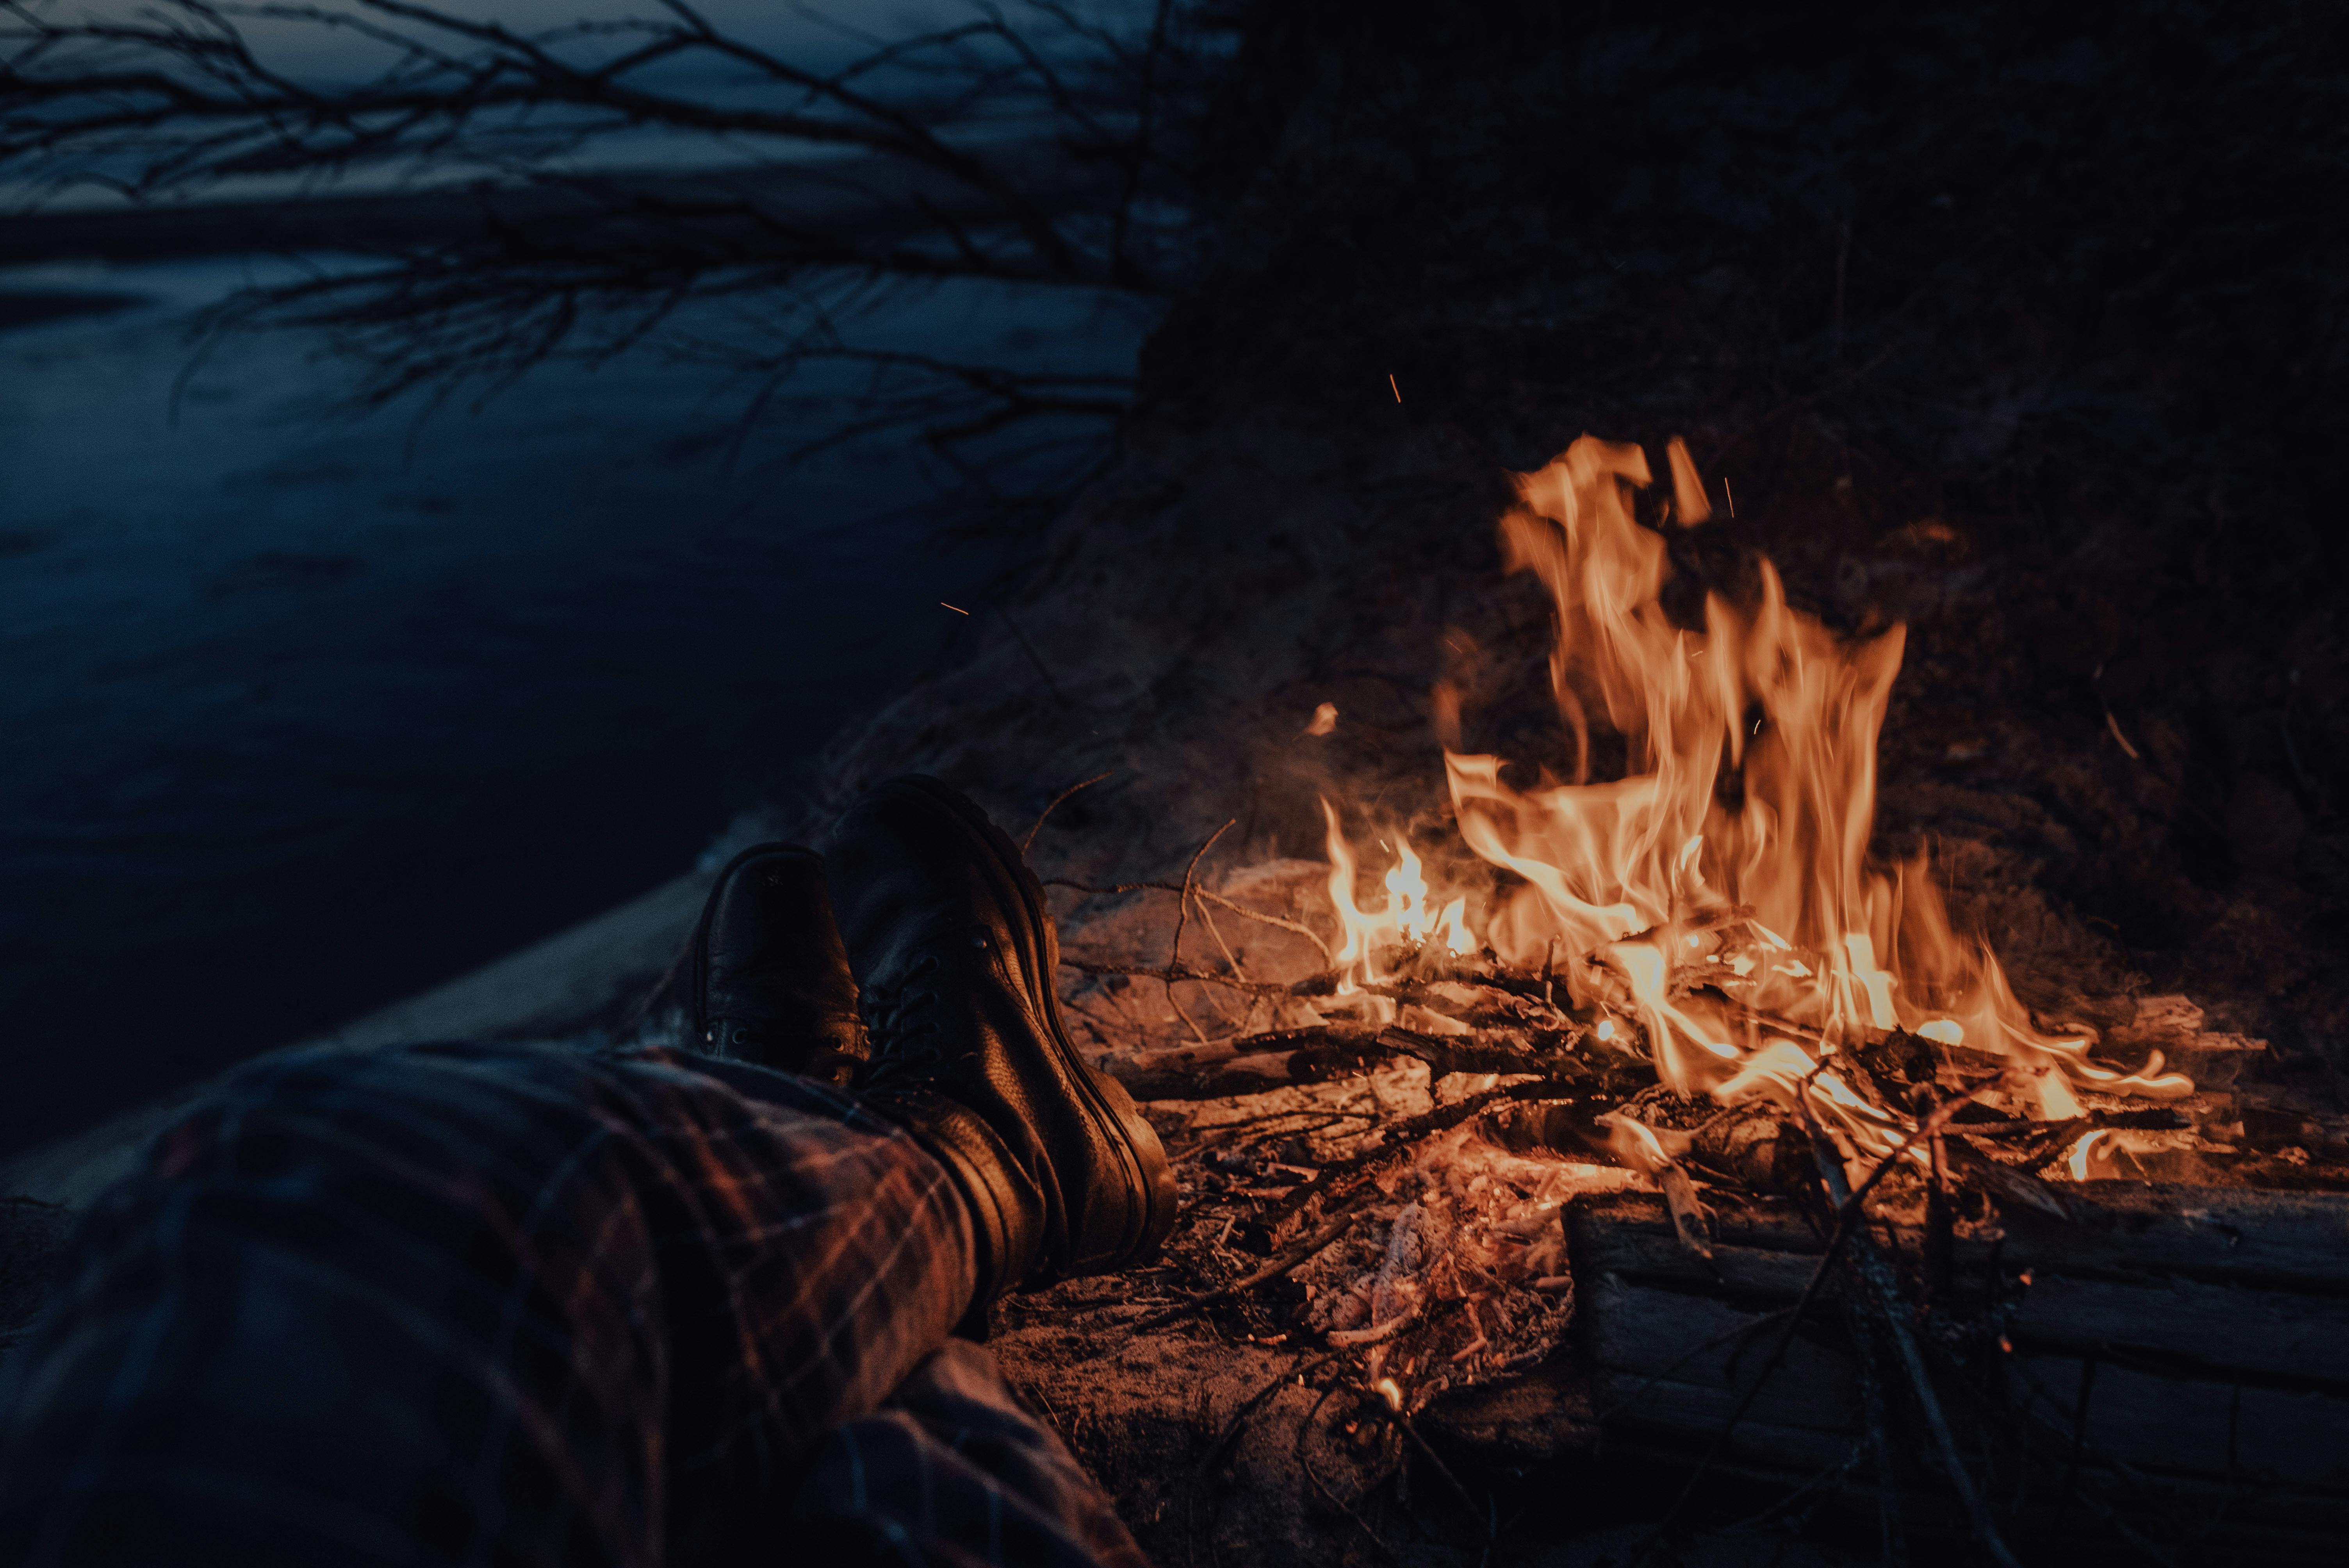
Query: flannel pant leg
[955, 1472]
[480, 1303]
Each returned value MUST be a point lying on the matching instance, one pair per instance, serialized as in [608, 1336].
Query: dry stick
[1182, 916]
[1327, 1116]
[1206, 976]
[1216, 930]
[1029, 842]
[1400, 1138]
[1216, 899]
[1880, 1278]
[1283, 1058]
[1306, 1464]
[1787, 1504]
[1287, 1261]
[1846, 1212]
[1305, 1128]
[1183, 904]
[1437, 1460]
[1189, 1023]
[1322, 985]
[1306, 931]
[1248, 1408]
[1232, 1431]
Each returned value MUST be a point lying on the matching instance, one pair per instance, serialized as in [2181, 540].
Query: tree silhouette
[1051, 146]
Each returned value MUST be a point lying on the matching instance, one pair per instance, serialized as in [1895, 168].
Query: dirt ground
[2010, 324]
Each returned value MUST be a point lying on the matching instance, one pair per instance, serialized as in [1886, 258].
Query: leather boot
[954, 951]
[771, 980]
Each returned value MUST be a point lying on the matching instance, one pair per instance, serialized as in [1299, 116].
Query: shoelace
[909, 1047]
[902, 1023]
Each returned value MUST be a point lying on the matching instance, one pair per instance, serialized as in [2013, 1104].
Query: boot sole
[1105, 1096]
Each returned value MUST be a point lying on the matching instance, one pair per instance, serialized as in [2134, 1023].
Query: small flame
[1407, 895]
[1409, 918]
[2082, 1154]
[1457, 940]
[1642, 1147]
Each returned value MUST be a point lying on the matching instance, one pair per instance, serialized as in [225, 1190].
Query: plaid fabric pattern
[956, 1474]
[514, 1305]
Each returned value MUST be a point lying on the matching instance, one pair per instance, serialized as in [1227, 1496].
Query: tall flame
[1721, 893]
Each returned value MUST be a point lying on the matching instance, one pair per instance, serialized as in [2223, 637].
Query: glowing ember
[1723, 922]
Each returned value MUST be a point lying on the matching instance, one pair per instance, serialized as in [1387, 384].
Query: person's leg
[480, 1304]
[955, 1473]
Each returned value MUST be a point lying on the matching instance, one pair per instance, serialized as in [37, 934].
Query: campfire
[1417, 1086]
[1714, 911]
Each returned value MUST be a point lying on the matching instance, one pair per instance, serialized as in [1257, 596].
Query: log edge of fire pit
[2204, 1331]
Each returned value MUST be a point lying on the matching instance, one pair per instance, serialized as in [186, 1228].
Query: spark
[1391, 382]
[2114, 725]
[955, 608]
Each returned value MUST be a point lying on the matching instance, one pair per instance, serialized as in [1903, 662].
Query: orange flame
[1409, 918]
[1694, 908]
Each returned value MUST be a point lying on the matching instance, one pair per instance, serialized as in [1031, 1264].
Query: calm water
[293, 722]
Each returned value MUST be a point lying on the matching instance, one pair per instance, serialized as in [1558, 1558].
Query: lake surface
[295, 720]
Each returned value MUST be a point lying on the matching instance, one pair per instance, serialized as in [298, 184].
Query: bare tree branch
[1018, 149]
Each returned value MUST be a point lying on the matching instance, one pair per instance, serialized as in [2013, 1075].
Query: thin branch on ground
[1849, 1211]
[1208, 919]
[1146, 972]
[1183, 904]
[1305, 1464]
[1230, 1434]
[1219, 900]
[1045, 815]
[1293, 1258]
[1340, 1179]
[1880, 1278]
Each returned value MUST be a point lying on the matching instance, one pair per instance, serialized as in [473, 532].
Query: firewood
[2209, 1328]
[1256, 1064]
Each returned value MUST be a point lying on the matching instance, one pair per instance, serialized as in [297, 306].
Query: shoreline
[866, 196]
[565, 985]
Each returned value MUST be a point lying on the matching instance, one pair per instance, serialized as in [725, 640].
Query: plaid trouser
[516, 1305]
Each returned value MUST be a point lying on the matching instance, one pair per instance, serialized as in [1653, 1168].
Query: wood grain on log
[2205, 1332]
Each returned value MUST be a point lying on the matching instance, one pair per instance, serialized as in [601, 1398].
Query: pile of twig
[1413, 1232]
